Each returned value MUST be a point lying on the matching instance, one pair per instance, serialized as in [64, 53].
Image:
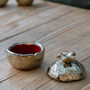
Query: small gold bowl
[25, 56]
[3, 2]
[24, 2]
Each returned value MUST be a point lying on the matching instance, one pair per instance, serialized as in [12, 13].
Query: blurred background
[77, 3]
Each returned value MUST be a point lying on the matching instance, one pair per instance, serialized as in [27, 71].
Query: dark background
[78, 3]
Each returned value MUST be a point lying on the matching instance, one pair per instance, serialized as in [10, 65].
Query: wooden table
[58, 27]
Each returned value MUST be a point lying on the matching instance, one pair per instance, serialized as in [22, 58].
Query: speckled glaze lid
[67, 68]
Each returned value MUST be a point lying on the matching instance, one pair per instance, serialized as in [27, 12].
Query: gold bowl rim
[17, 54]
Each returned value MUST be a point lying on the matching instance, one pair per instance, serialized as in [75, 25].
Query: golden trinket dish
[26, 55]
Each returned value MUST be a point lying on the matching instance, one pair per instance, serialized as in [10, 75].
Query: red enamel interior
[26, 49]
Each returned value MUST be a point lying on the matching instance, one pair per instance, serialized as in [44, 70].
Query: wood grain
[58, 27]
[87, 87]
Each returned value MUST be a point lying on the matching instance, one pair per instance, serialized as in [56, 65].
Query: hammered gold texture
[25, 61]
[3, 2]
[24, 2]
